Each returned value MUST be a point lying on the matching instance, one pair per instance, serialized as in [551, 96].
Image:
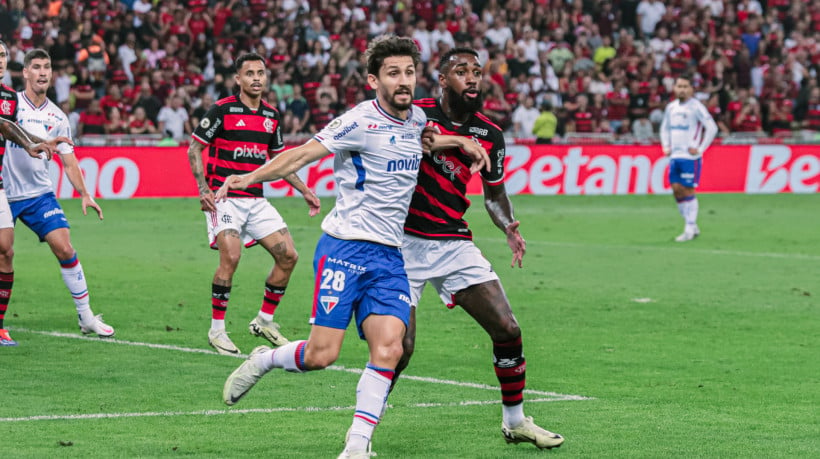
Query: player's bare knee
[288, 259]
[387, 355]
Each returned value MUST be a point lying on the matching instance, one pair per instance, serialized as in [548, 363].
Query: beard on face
[462, 104]
[400, 106]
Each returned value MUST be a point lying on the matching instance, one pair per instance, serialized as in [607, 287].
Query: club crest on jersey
[268, 125]
[5, 108]
[328, 303]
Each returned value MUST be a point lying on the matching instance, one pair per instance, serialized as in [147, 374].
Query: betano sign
[121, 173]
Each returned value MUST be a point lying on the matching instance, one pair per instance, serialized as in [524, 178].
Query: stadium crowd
[153, 66]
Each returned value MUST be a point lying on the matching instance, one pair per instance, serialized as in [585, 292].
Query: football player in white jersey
[34, 146]
[29, 187]
[687, 130]
[358, 264]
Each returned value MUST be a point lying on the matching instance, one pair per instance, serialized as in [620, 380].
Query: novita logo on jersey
[245, 152]
[380, 127]
[346, 130]
[409, 164]
[480, 131]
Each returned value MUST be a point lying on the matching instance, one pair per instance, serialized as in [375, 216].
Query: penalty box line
[551, 396]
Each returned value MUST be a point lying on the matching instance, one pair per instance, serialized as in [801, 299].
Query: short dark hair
[247, 57]
[385, 46]
[685, 76]
[3, 44]
[445, 58]
[37, 53]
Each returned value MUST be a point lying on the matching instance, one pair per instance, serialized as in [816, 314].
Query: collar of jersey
[389, 116]
[31, 104]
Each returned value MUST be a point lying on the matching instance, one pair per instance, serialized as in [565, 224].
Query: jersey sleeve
[210, 127]
[497, 151]
[277, 143]
[345, 133]
[63, 128]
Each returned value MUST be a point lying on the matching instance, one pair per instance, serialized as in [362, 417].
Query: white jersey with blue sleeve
[376, 164]
[687, 125]
[26, 177]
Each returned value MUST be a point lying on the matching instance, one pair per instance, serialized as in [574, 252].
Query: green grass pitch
[637, 347]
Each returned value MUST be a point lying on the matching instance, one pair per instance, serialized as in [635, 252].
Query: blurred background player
[358, 262]
[438, 246]
[29, 187]
[687, 130]
[242, 132]
[33, 145]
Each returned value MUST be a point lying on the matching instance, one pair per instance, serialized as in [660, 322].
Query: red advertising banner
[155, 172]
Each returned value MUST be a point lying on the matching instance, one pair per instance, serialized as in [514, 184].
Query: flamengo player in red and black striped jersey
[438, 246]
[34, 146]
[242, 132]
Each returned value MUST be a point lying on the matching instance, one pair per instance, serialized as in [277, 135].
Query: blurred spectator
[205, 102]
[92, 120]
[298, 106]
[113, 100]
[749, 119]
[495, 105]
[812, 121]
[650, 13]
[140, 124]
[581, 118]
[780, 118]
[115, 124]
[441, 35]
[322, 114]
[173, 119]
[544, 126]
[642, 130]
[523, 118]
[148, 101]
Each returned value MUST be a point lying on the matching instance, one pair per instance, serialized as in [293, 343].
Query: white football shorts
[254, 218]
[448, 265]
[6, 220]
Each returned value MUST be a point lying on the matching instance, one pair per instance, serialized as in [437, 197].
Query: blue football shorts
[685, 171]
[358, 277]
[42, 214]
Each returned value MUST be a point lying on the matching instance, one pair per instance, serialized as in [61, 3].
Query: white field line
[544, 396]
[677, 249]
[307, 409]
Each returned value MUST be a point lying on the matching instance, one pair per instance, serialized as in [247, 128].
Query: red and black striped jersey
[8, 110]
[240, 140]
[440, 198]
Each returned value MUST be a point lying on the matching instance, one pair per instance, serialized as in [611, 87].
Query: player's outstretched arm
[284, 164]
[313, 202]
[75, 176]
[499, 206]
[206, 196]
[470, 147]
[33, 145]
